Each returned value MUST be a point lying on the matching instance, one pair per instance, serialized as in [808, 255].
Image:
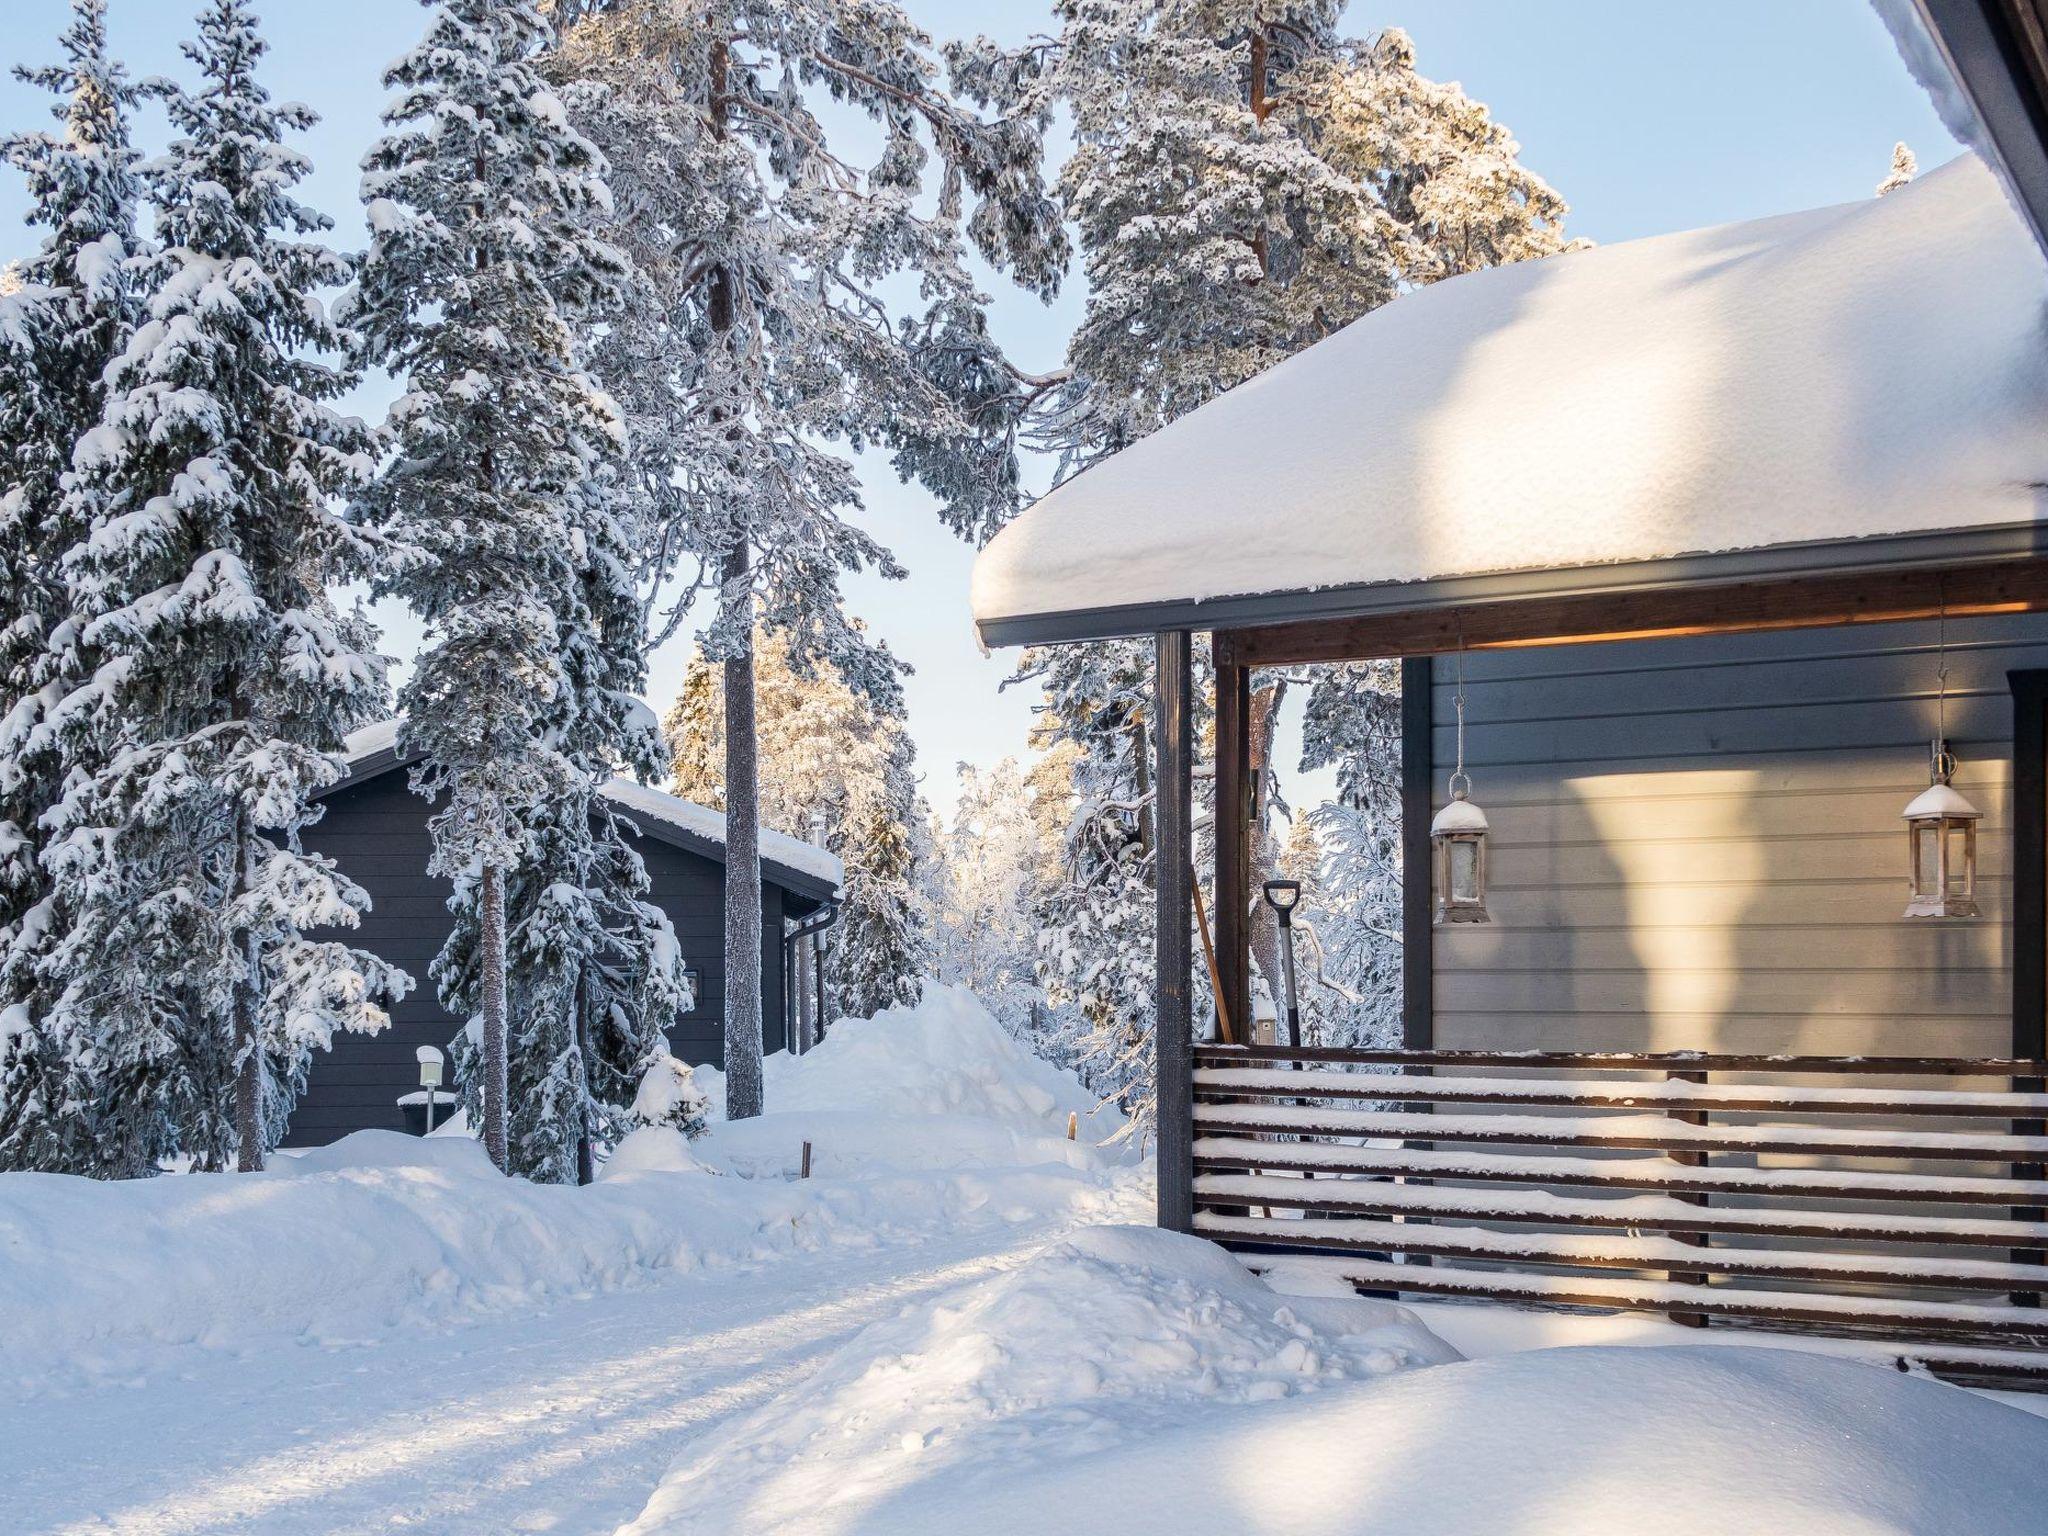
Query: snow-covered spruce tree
[759, 345]
[1245, 180]
[593, 975]
[482, 260]
[222, 680]
[65, 314]
[1353, 725]
[844, 758]
[1097, 920]
[985, 892]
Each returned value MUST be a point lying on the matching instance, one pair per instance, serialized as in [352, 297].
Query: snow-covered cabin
[375, 828]
[1702, 520]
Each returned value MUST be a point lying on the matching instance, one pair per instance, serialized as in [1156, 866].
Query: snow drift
[1690, 1441]
[1139, 1378]
[1114, 1337]
[935, 1085]
[382, 1232]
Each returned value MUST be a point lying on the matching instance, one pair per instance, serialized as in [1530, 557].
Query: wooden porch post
[1233, 837]
[1173, 1009]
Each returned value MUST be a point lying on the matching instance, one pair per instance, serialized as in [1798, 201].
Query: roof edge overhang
[1834, 557]
[795, 881]
[1997, 54]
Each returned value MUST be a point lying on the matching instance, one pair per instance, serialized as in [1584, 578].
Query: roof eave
[2004, 541]
[1997, 53]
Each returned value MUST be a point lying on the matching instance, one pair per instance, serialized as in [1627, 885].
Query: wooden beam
[1173, 1015]
[1805, 602]
[1418, 774]
[1234, 842]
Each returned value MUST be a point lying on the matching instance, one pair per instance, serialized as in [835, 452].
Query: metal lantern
[1458, 840]
[1457, 837]
[1941, 844]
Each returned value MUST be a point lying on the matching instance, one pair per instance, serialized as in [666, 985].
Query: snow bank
[381, 1232]
[1698, 1441]
[936, 1085]
[1108, 1340]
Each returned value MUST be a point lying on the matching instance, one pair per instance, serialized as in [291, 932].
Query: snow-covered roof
[1876, 368]
[374, 749]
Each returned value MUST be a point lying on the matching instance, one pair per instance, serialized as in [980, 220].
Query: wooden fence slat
[1253, 1082]
[1215, 1153]
[1616, 1132]
[1621, 1251]
[1647, 1213]
[1212, 1055]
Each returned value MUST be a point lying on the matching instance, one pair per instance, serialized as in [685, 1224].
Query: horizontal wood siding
[377, 832]
[1696, 843]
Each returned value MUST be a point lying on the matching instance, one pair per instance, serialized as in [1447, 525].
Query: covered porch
[1833, 423]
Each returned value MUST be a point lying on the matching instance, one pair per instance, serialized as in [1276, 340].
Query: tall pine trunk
[742, 788]
[248, 1050]
[742, 872]
[492, 939]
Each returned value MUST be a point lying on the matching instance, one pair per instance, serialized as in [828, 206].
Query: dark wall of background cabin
[377, 833]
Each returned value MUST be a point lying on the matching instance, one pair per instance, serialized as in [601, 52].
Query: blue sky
[1647, 117]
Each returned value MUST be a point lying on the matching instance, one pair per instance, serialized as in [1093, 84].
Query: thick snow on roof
[651, 805]
[657, 805]
[1872, 368]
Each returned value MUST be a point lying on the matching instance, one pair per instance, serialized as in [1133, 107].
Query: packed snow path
[561, 1420]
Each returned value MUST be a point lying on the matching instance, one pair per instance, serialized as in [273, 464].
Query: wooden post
[1173, 1015]
[1696, 1239]
[2029, 920]
[806, 1170]
[1233, 838]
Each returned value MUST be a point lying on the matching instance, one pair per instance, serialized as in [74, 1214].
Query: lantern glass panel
[1464, 870]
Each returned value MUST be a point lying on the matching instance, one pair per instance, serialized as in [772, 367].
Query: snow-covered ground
[959, 1323]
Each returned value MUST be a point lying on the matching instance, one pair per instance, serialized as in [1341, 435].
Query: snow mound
[1685, 1441]
[1103, 1341]
[380, 1232]
[937, 1084]
[651, 1149]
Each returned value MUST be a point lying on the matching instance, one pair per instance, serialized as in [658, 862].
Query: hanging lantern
[1941, 842]
[1457, 837]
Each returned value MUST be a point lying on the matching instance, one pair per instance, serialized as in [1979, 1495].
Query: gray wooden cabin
[1700, 521]
[375, 828]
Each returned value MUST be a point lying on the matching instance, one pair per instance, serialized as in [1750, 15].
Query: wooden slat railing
[1703, 1186]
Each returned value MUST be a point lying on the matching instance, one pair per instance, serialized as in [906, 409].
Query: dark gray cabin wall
[1696, 843]
[377, 832]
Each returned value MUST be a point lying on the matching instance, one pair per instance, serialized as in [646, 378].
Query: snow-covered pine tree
[66, 313]
[1905, 166]
[759, 344]
[1245, 180]
[845, 757]
[480, 202]
[222, 679]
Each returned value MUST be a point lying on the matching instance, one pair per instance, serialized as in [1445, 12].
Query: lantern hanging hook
[1944, 764]
[1461, 782]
